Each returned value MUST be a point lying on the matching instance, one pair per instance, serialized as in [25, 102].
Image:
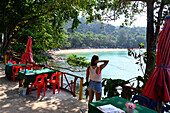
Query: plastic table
[30, 77]
[118, 102]
[8, 69]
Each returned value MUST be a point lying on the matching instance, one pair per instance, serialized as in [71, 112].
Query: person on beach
[94, 71]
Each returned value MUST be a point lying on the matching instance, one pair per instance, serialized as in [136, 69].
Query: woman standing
[94, 72]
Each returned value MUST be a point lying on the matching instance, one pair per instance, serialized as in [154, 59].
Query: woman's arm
[102, 65]
[87, 74]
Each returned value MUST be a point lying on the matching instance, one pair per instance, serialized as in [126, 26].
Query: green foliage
[77, 61]
[110, 86]
[140, 80]
[43, 20]
[40, 58]
[19, 48]
[89, 35]
[112, 10]
[128, 91]
[139, 56]
[44, 37]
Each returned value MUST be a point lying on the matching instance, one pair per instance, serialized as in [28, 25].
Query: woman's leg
[98, 96]
[91, 95]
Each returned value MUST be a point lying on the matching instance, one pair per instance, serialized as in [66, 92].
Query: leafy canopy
[77, 61]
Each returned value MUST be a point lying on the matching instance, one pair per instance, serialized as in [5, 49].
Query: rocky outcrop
[53, 57]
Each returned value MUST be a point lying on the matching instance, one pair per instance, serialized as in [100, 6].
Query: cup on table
[26, 70]
[130, 107]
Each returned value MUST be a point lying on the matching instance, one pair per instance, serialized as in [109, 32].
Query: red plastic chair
[55, 79]
[22, 62]
[15, 70]
[29, 67]
[45, 79]
[39, 85]
[13, 62]
[34, 68]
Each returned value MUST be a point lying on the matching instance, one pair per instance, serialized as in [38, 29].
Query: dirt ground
[12, 102]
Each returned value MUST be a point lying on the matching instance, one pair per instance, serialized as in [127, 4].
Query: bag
[22, 91]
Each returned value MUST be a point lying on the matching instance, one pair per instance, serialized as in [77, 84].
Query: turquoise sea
[120, 64]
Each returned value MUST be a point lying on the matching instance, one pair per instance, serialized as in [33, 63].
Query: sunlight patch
[21, 108]
[3, 95]
[39, 105]
[76, 109]
[7, 105]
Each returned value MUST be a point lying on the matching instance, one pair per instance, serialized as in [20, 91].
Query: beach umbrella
[158, 85]
[27, 56]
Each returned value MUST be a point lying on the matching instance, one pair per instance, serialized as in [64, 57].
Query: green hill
[97, 35]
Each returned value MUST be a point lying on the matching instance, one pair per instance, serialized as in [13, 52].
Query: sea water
[120, 66]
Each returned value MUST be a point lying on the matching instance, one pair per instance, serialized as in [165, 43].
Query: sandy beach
[12, 102]
[69, 51]
[53, 53]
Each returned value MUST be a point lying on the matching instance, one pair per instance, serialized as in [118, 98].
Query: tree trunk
[5, 42]
[151, 45]
[5, 49]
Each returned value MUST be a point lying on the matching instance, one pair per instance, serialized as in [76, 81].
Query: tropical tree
[122, 38]
[17, 15]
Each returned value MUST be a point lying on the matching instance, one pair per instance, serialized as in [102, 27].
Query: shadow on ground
[12, 102]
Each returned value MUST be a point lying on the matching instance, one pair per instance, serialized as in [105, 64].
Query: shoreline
[69, 51]
[56, 58]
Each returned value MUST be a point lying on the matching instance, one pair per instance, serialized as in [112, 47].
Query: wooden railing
[71, 83]
[128, 91]
[71, 86]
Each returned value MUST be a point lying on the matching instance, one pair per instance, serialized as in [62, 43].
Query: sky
[141, 21]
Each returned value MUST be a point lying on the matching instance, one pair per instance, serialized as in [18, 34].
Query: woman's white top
[95, 76]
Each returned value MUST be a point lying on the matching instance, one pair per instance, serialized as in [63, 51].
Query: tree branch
[46, 66]
[159, 21]
[15, 33]
[62, 68]
[131, 0]
[120, 1]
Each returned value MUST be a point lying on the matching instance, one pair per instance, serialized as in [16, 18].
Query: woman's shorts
[95, 86]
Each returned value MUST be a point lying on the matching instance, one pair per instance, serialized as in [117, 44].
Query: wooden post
[5, 58]
[62, 80]
[41, 68]
[138, 85]
[72, 84]
[159, 107]
[81, 89]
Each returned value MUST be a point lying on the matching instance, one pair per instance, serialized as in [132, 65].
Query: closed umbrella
[158, 85]
[27, 56]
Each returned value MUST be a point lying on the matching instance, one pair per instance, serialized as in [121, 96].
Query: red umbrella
[158, 85]
[27, 56]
